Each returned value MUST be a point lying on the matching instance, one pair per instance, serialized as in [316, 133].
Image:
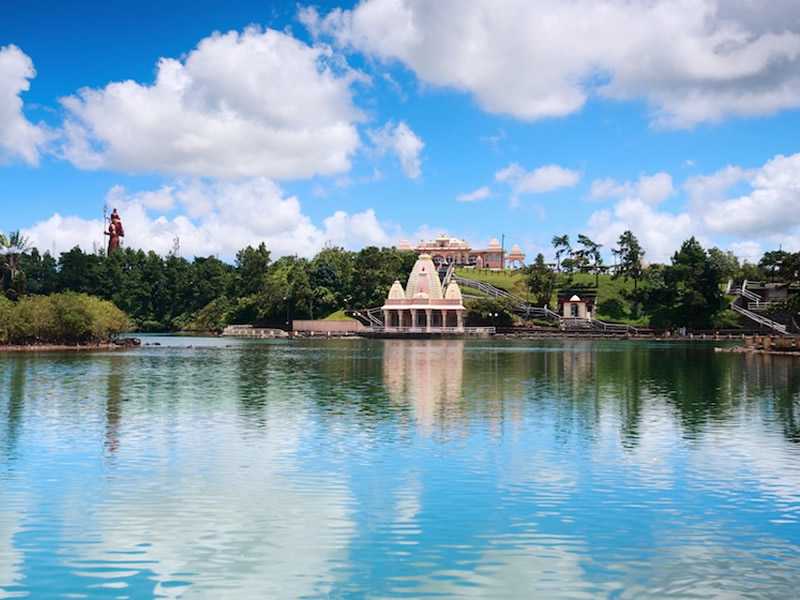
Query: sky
[218, 125]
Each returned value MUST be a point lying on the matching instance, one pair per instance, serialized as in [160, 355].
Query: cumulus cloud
[255, 103]
[403, 143]
[538, 181]
[742, 205]
[480, 194]
[770, 206]
[650, 189]
[215, 218]
[19, 138]
[692, 61]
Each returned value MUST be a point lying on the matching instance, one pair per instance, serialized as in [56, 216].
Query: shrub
[66, 318]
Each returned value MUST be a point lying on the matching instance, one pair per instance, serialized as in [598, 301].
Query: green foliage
[630, 256]
[496, 312]
[205, 293]
[726, 319]
[686, 293]
[339, 315]
[61, 318]
[541, 281]
[725, 262]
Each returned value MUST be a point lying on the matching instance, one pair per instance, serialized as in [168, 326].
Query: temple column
[459, 321]
[413, 317]
[428, 312]
[387, 319]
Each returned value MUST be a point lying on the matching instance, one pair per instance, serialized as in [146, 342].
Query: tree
[686, 292]
[251, 267]
[561, 244]
[629, 254]
[589, 257]
[541, 281]
[725, 262]
[13, 247]
[772, 262]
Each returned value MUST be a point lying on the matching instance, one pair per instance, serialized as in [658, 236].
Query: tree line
[171, 293]
[686, 292]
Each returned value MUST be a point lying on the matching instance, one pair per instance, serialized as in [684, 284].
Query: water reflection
[428, 374]
[400, 468]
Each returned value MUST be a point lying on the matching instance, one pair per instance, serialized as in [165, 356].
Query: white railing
[759, 305]
[759, 318]
[489, 330]
[614, 327]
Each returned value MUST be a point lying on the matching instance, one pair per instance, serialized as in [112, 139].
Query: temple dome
[396, 293]
[404, 245]
[515, 251]
[453, 291]
[424, 278]
[494, 244]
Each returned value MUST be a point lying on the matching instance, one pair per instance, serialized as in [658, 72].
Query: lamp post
[286, 300]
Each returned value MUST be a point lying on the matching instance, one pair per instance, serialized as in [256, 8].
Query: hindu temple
[423, 306]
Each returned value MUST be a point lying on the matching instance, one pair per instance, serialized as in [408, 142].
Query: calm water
[400, 469]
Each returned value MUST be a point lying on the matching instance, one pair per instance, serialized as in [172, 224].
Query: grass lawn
[611, 304]
[338, 316]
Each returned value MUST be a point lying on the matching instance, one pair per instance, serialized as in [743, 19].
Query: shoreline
[68, 347]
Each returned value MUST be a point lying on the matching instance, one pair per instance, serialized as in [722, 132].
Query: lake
[218, 468]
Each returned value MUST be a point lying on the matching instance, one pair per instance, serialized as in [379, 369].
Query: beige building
[423, 306]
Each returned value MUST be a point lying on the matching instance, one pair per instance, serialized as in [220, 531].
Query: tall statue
[115, 231]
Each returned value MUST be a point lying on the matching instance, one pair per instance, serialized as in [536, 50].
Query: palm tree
[13, 246]
[561, 244]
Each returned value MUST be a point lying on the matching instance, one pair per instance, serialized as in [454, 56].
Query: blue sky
[364, 123]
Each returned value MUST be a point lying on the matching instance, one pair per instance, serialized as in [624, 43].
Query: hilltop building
[446, 250]
[423, 306]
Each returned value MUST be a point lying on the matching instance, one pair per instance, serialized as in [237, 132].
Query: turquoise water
[208, 468]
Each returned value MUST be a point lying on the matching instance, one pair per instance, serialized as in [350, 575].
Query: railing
[750, 295]
[614, 327]
[450, 268]
[521, 307]
[369, 315]
[759, 305]
[759, 318]
[484, 287]
[489, 330]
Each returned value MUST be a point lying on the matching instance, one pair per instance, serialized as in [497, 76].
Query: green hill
[611, 303]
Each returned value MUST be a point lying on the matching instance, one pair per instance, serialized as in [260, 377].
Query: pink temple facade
[446, 250]
[423, 306]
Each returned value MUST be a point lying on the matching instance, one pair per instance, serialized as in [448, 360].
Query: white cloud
[538, 181]
[691, 60]
[256, 103]
[609, 188]
[400, 141]
[19, 138]
[480, 194]
[650, 189]
[219, 218]
[741, 205]
[771, 206]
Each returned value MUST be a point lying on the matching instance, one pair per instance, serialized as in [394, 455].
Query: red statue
[115, 231]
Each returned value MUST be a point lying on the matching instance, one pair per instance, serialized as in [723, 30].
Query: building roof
[424, 280]
[396, 293]
[515, 251]
[494, 244]
[453, 292]
[404, 245]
